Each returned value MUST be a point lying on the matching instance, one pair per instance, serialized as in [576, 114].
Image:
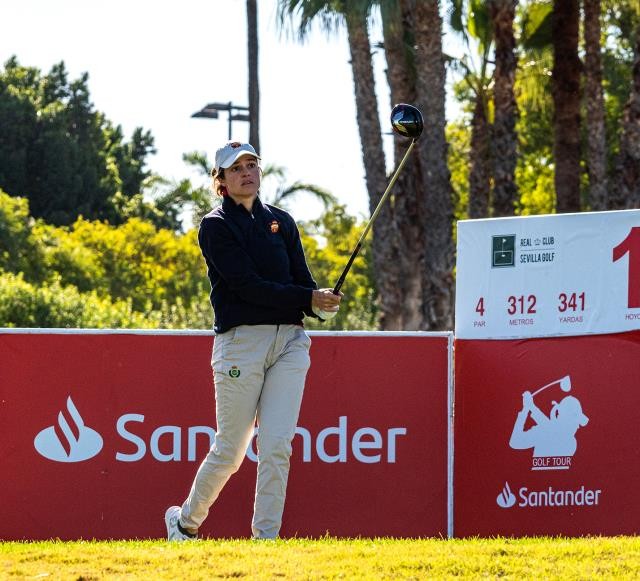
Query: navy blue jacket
[256, 265]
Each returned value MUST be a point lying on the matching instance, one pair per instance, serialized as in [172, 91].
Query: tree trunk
[254, 86]
[628, 163]
[596, 136]
[480, 160]
[565, 88]
[438, 289]
[373, 158]
[397, 31]
[505, 140]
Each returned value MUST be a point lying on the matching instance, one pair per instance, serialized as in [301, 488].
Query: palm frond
[533, 79]
[536, 25]
[329, 14]
[198, 160]
[272, 170]
[283, 194]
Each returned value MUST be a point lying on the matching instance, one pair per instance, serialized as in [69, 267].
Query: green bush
[17, 250]
[135, 275]
[26, 305]
[328, 243]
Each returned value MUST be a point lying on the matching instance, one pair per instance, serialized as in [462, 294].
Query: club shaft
[385, 195]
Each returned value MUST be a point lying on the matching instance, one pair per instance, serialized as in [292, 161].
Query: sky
[153, 64]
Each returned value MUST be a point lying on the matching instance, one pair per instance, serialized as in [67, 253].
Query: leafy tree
[328, 243]
[131, 158]
[61, 153]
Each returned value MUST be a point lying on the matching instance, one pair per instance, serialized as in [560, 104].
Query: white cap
[226, 156]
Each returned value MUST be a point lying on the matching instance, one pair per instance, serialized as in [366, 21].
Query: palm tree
[284, 192]
[596, 136]
[438, 289]
[565, 85]
[403, 213]
[399, 40]
[628, 163]
[480, 161]
[254, 86]
[504, 138]
[470, 19]
[354, 14]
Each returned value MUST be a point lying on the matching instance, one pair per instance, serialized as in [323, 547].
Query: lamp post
[211, 111]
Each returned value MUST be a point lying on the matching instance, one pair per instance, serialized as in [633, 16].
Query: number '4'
[631, 245]
[480, 307]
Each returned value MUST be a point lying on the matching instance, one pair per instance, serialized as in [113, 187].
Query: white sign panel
[544, 276]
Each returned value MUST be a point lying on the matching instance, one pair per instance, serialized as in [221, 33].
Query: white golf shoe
[171, 518]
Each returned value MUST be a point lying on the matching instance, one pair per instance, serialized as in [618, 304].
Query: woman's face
[242, 179]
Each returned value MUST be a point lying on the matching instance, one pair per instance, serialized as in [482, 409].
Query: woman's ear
[224, 191]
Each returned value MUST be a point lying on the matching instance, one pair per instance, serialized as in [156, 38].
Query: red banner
[101, 432]
[547, 439]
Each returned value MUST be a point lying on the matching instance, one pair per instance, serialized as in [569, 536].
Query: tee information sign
[546, 375]
[548, 276]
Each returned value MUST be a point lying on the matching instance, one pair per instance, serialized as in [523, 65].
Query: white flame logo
[78, 441]
[506, 499]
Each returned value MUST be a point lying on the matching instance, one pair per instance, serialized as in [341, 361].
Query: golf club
[565, 385]
[406, 120]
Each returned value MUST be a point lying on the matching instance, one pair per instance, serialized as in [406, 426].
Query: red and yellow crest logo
[275, 226]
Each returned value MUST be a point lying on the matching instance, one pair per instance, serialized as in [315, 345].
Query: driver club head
[406, 120]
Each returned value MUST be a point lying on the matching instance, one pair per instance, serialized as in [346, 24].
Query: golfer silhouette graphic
[554, 435]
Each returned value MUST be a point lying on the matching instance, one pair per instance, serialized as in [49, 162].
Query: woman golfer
[261, 289]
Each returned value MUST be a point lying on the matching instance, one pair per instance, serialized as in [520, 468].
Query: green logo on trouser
[234, 372]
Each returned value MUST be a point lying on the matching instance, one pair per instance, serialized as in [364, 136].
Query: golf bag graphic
[553, 435]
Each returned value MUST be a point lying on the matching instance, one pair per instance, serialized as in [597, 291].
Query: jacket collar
[230, 206]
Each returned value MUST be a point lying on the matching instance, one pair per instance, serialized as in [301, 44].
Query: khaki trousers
[259, 375]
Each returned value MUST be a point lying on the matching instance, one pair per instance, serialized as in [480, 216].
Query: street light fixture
[212, 110]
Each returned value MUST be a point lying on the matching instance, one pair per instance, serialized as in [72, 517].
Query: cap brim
[237, 155]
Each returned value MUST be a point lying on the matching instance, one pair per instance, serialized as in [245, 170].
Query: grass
[326, 558]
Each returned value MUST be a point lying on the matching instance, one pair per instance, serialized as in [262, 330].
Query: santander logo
[506, 499]
[70, 440]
